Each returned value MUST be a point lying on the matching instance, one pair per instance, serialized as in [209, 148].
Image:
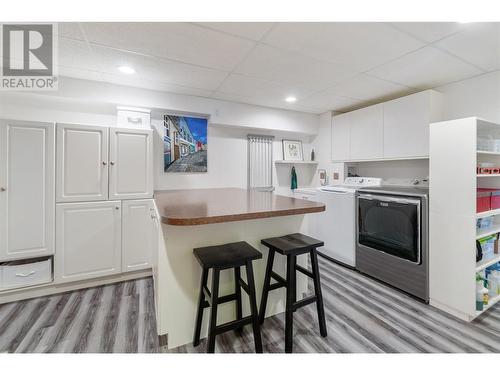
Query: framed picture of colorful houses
[184, 144]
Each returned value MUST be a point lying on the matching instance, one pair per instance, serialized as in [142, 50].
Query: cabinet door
[367, 133]
[88, 240]
[82, 163]
[131, 163]
[406, 126]
[341, 137]
[27, 206]
[138, 234]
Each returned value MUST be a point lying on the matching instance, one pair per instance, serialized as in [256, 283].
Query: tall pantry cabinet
[102, 172]
[26, 190]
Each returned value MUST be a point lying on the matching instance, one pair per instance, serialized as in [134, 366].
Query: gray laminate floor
[118, 318]
[362, 316]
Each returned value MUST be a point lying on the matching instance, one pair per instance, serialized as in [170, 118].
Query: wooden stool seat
[226, 256]
[218, 258]
[296, 243]
[291, 246]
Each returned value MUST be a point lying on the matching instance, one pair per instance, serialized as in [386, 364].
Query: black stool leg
[213, 311]
[319, 296]
[201, 307]
[267, 282]
[291, 296]
[237, 291]
[253, 308]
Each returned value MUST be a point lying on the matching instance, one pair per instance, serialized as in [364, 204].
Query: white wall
[322, 144]
[393, 169]
[479, 96]
[87, 102]
[228, 160]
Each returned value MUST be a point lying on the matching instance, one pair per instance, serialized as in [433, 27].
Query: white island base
[177, 274]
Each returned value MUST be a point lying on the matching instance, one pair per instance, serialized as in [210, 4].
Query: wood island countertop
[208, 206]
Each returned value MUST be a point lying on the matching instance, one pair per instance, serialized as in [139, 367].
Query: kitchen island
[206, 217]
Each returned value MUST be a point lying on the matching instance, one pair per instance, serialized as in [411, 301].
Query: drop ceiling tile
[153, 85]
[255, 100]
[426, 68]
[361, 45]
[365, 87]
[80, 73]
[478, 44]
[250, 30]
[329, 100]
[429, 31]
[70, 30]
[256, 87]
[289, 68]
[76, 54]
[178, 41]
[154, 69]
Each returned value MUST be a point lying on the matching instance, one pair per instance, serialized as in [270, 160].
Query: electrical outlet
[336, 176]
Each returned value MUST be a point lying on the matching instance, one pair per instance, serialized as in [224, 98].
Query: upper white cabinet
[366, 139]
[26, 189]
[139, 236]
[82, 163]
[406, 124]
[88, 240]
[96, 163]
[131, 156]
[397, 129]
[341, 137]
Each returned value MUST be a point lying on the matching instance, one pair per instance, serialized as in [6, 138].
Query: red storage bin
[495, 199]
[483, 200]
[487, 199]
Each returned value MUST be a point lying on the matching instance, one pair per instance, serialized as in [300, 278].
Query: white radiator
[260, 162]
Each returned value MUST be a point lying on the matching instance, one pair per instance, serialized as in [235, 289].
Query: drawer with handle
[25, 273]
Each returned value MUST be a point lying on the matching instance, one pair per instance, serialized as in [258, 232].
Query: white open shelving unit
[453, 185]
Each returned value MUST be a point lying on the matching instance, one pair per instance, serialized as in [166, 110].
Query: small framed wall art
[292, 150]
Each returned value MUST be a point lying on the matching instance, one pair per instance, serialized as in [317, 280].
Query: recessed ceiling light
[126, 70]
[291, 99]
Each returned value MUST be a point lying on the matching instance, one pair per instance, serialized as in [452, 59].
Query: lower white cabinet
[95, 239]
[139, 237]
[88, 240]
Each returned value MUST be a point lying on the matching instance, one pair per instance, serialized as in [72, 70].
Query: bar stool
[291, 246]
[218, 258]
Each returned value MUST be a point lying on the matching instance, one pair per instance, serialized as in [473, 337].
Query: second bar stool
[218, 258]
[291, 246]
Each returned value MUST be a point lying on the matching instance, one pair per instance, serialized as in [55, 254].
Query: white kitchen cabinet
[341, 137]
[139, 235]
[396, 129]
[27, 154]
[131, 157]
[366, 133]
[82, 163]
[88, 240]
[406, 124]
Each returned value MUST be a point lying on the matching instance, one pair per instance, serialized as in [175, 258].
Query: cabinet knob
[3, 188]
[104, 163]
[117, 207]
[112, 162]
